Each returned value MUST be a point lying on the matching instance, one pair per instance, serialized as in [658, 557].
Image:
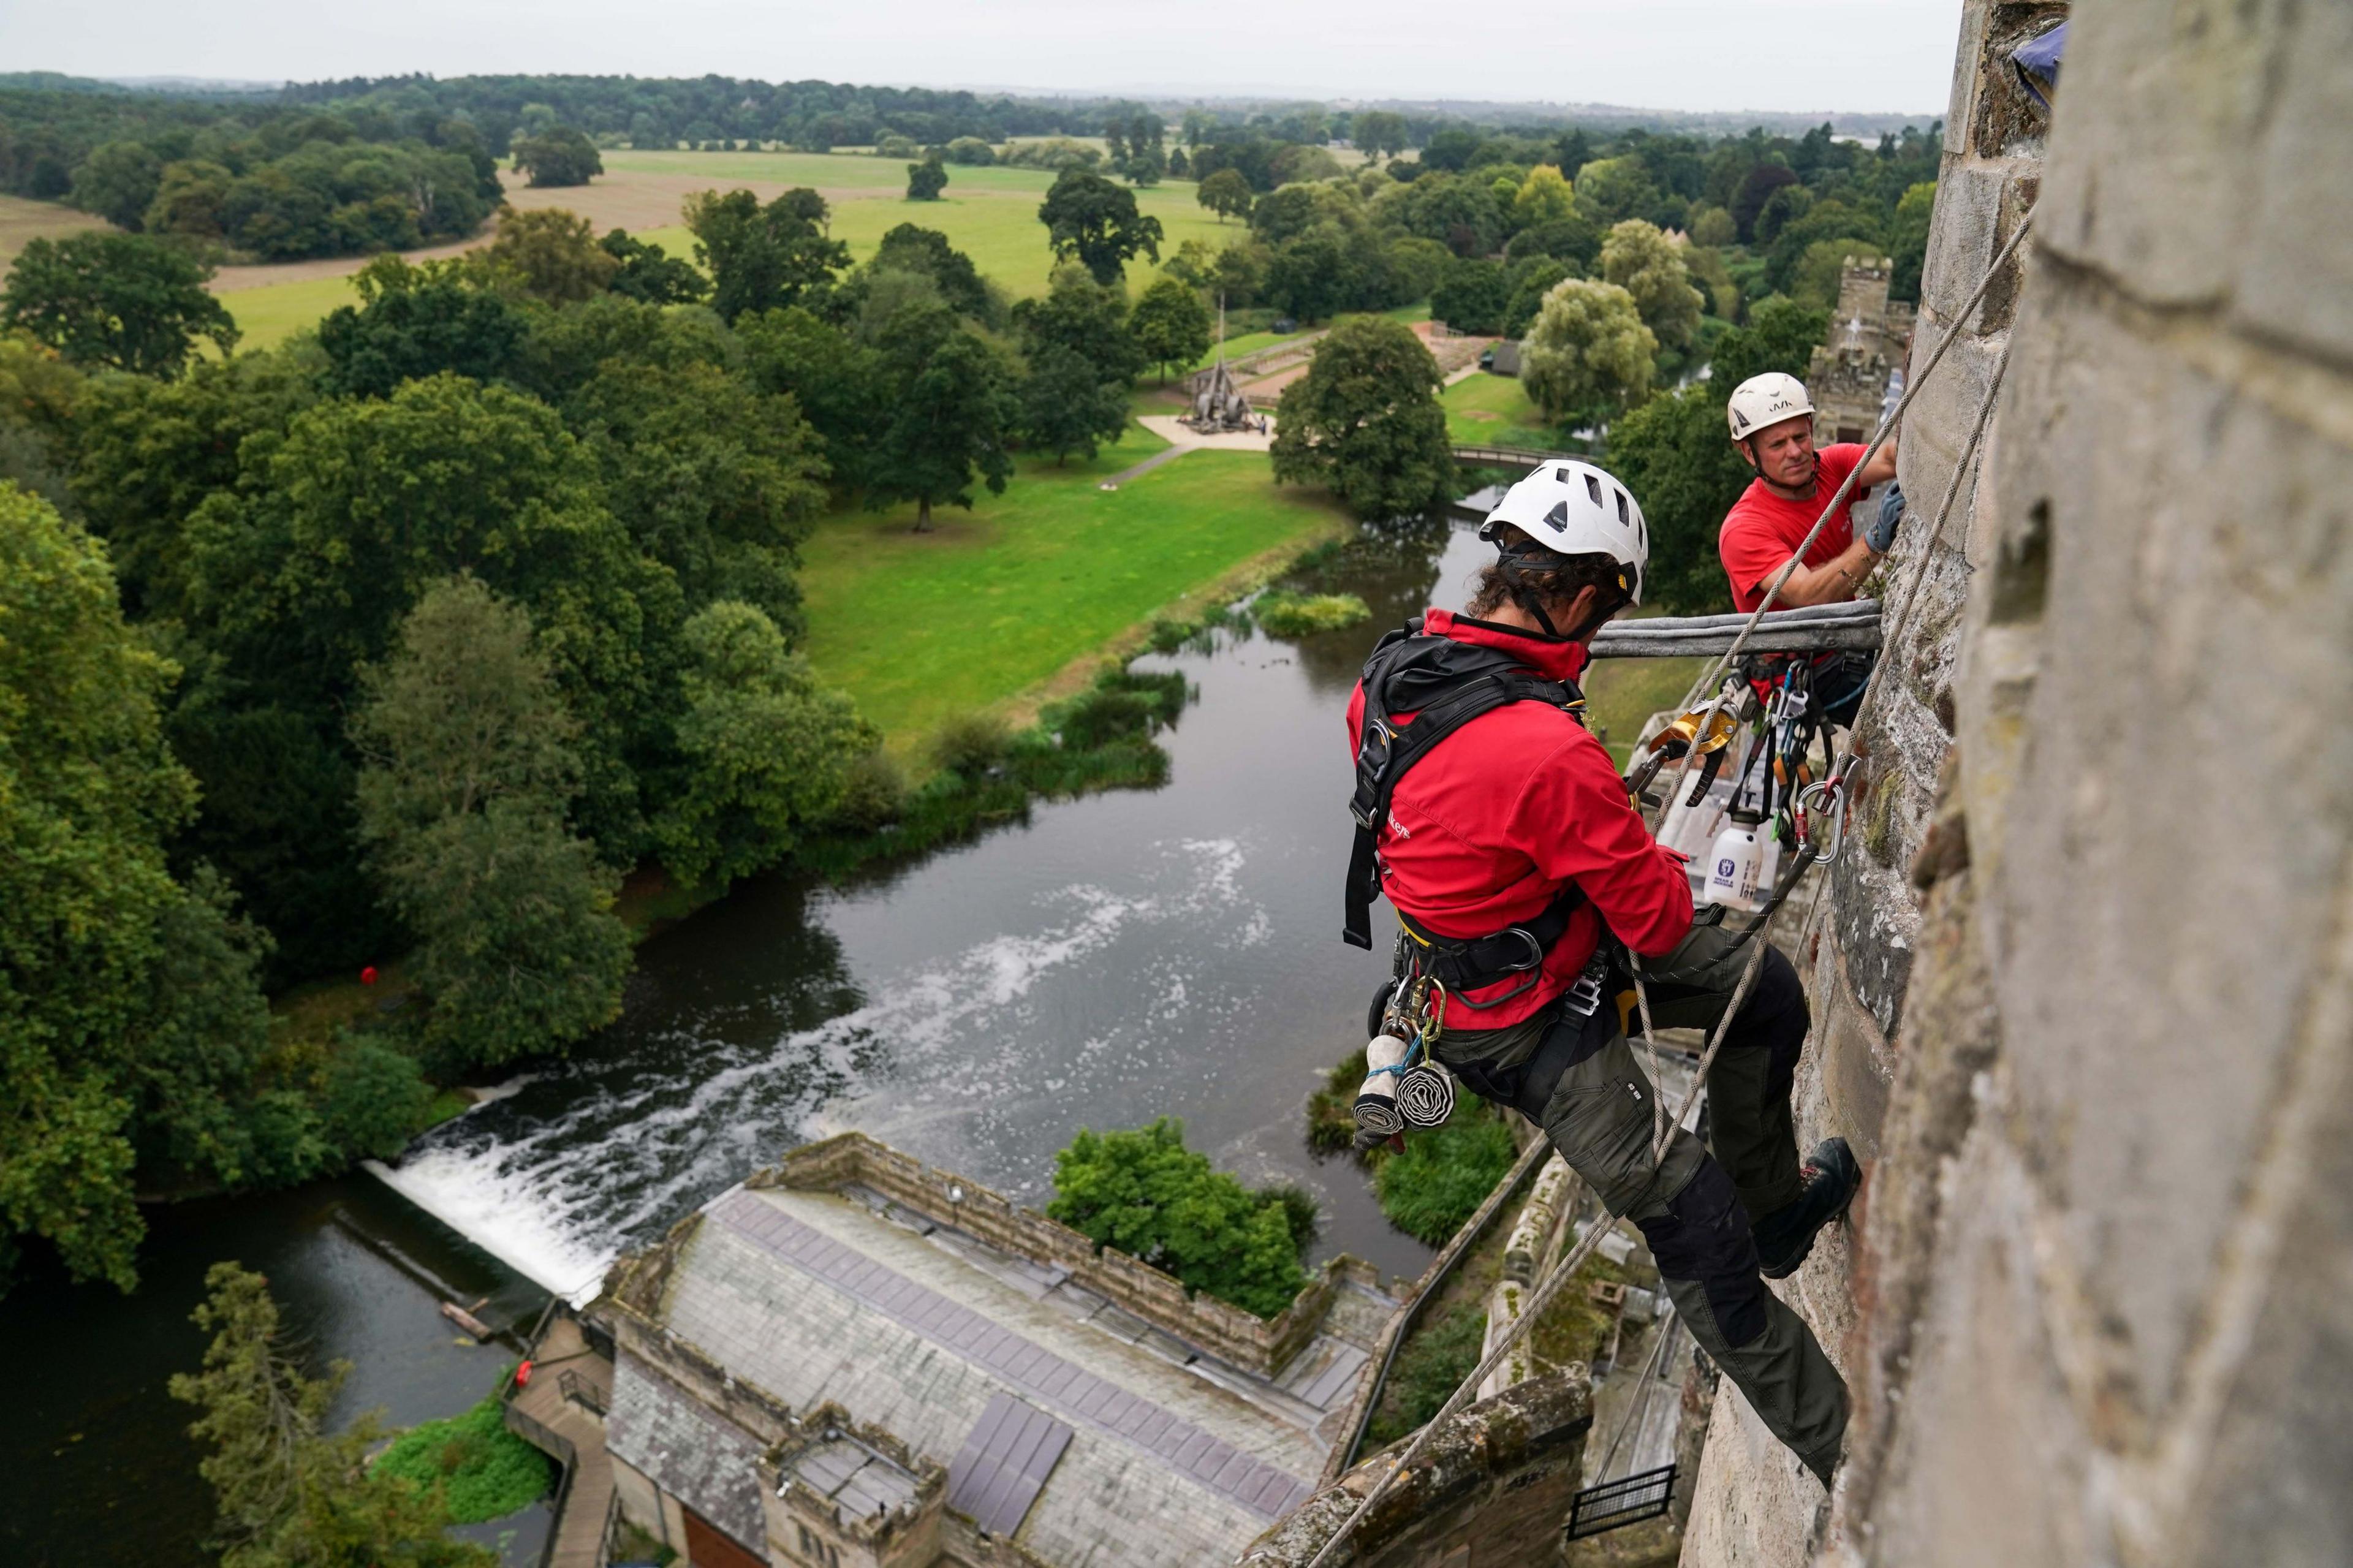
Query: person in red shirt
[1772, 421]
[1521, 874]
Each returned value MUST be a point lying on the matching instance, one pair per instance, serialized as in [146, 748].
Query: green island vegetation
[1142, 1192]
[482, 1471]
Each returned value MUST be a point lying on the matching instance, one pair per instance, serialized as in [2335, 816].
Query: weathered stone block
[2299, 284]
[2198, 638]
[2153, 174]
[1979, 205]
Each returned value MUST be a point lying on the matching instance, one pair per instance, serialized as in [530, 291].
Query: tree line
[409, 637]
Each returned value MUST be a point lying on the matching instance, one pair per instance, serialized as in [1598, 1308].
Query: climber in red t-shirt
[1772, 420]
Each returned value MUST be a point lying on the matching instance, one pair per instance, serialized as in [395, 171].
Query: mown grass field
[918, 627]
[1496, 411]
[990, 213]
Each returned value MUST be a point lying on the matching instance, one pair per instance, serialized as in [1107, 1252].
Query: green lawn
[1494, 410]
[918, 627]
[271, 314]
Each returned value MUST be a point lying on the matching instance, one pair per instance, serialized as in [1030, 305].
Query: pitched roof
[929, 1334]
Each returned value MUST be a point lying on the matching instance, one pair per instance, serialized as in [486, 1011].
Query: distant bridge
[1508, 457]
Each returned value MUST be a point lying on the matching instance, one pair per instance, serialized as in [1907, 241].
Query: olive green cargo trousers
[1578, 1078]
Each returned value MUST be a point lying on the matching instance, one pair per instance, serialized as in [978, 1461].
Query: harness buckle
[1536, 950]
[1584, 997]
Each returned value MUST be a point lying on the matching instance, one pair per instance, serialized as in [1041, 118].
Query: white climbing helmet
[1766, 399]
[1576, 509]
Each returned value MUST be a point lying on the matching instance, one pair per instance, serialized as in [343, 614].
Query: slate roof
[945, 1343]
[688, 1449]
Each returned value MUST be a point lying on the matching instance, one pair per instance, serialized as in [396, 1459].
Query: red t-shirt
[1487, 829]
[1762, 530]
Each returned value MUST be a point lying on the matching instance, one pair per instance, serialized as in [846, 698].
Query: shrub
[484, 1470]
[1445, 1172]
[376, 1101]
[1331, 1108]
[1142, 1192]
[1288, 614]
[873, 792]
[971, 744]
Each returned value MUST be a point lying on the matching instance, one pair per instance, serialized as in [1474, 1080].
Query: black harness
[1444, 684]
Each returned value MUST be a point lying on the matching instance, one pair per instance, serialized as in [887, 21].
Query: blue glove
[1881, 534]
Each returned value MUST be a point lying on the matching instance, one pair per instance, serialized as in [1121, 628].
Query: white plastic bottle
[1737, 862]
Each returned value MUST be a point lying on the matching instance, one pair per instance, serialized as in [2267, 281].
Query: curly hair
[1556, 587]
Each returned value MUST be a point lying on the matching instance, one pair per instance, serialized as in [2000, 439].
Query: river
[1118, 957]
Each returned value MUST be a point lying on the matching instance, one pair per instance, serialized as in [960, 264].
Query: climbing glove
[1881, 534]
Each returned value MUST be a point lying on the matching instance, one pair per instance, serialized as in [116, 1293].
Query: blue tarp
[2038, 63]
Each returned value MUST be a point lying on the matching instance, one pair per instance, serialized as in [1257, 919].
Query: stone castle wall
[2085, 1001]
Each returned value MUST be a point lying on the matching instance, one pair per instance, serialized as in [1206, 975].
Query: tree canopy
[1365, 420]
[558, 156]
[761, 257]
[1090, 219]
[927, 180]
[1587, 355]
[1146, 1194]
[116, 299]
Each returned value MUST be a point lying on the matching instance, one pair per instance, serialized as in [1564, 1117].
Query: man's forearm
[1828, 583]
[1882, 467]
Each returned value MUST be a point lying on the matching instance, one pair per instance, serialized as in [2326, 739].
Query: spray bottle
[1738, 860]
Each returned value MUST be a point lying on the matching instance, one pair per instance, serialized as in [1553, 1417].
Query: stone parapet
[1262, 1345]
[1499, 1473]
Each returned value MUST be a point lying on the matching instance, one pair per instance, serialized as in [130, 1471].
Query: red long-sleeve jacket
[1484, 830]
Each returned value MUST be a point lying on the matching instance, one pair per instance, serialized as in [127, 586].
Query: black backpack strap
[1386, 749]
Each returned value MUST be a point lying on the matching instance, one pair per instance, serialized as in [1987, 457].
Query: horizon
[1894, 51]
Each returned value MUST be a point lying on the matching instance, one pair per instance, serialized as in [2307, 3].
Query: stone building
[1869, 337]
[855, 1361]
[2084, 999]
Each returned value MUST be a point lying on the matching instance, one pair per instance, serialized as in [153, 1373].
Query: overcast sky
[1850, 55]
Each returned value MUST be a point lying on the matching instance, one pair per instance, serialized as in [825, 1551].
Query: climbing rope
[1557, 1278]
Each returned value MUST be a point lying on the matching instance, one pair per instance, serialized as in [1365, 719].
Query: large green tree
[927, 180]
[1640, 258]
[418, 322]
[1092, 219]
[650, 274]
[130, 1019]
[304, 571]
[558, 156]
[551, 254]
[1366, 421]
[1083, 317]
[761, 257]
[841, 384]
[1587, 355]
[1226, 194]
[714, 479]
[118, 182]
[470, 761]
[766, 750]
[1067, 406]
[950, 417]
[1170, 325]
[127, 301]
[1145, 1193]
[1471, 295]
[291, 1492]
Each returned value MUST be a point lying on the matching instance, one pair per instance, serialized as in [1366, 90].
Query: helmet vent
[1622, 519]
[1558, 516]
[1593, 488]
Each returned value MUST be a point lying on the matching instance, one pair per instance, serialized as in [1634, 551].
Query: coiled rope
[1557, 1277]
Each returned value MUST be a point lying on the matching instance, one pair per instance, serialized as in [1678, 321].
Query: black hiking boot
[1784, 1237]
